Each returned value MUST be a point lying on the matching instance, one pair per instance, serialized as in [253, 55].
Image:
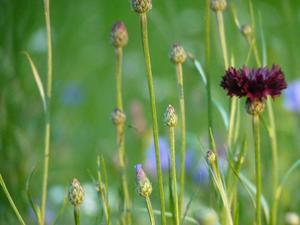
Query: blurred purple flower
[292, 97]
[150, 163]
[72, 95]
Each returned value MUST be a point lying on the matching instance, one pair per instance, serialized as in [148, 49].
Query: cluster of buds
[177, 54]
[144, 187]
[141, 6]
[170, 117]
[218, 5]
[118, 117]
[76, 193]
[119, 35]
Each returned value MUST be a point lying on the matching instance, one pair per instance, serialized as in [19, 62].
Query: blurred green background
[84, 89]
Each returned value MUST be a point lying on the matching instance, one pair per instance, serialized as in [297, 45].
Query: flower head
[76, 193]
[170, 117]
[119, 35]
[254, 84]
[118, 116]
[141, 6]
[144, 187]
[177, 54]
[292, 97]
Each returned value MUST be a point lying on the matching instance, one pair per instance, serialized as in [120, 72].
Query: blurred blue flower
[292, 97]
[72, 95]
[150, 162]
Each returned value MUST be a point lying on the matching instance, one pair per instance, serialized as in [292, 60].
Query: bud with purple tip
[144, 187]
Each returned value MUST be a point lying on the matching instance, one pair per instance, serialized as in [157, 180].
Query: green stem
[119, 58]
[121, 135]
[221, 29]
[144, 30]
[150, 211]
[183, 134]
[77, 215]
[48, 110]
[173, 175]
[11, 201]
[272, 134]
[207, 67]
[233, 109]
[256, 136]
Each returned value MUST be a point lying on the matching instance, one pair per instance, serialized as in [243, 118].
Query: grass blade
[12, 204]
[37, 79]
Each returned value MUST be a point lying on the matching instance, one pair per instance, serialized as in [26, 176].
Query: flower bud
[144, 187]
[292, 218]
[218, 5]
[119, 35]
[141, 6]
[211, 156]
[255, 107]
[246, 30]
[177, 54]
[76, 193]
[170, 117]
[118, 116]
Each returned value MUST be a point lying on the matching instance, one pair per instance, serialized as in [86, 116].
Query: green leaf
[37, 79]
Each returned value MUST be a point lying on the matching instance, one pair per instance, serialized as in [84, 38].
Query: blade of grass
[12, 204]
[37, 79]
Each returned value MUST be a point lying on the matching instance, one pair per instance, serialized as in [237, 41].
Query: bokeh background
[84, 93]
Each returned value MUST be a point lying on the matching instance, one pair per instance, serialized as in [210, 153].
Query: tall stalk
[144, 32]
[256, 136]
[207, 66]
[150, 211]
[173, 175]
[47, 111]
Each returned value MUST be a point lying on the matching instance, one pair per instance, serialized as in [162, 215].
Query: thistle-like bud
[144, 187]
[246, 30]
[141, 6]
[292, 218]
[211, 156]
[118, 116]
[177, 54]
[76, 193]
[119, 35]
[255, 107]
[218, 5]
[170, 117]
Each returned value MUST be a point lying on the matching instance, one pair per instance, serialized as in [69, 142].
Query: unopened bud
[170, 117]
[255, 107]
[144, 186]
[218, 5]
[211, 156]
[76, 193]
[292, 218]
[118, 116]
[177, 54]
[141, 6]
[119, 35]
[246, 30]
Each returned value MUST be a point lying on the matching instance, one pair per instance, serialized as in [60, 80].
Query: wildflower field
[149, 112]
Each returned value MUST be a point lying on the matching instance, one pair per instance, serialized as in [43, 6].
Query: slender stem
[233, 109]
[272, 134]
[48, 110]
[144, 30]
[256, 136]
[77, 215]
[150, 211]
[221, 29]
[183, 134]
[207, 67]
[121, 135]
[119, 57]
[173, 175]
[11, 201]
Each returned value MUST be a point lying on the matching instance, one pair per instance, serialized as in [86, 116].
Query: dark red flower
[255, 84]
